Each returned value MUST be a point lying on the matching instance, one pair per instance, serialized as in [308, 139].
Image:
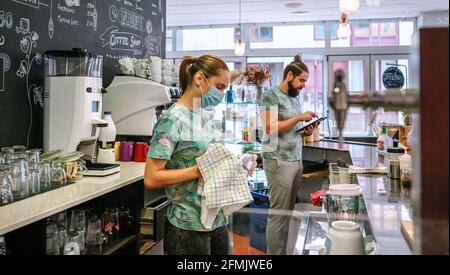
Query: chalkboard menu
[28, 28]
[393, 78]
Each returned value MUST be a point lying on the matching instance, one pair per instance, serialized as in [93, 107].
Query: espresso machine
[73, 100]
[73, 104]
[135, 103]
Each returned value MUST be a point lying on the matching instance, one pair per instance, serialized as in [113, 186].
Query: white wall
[433, 19]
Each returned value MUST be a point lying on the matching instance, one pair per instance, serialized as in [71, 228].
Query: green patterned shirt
[179, 138]
[288, 145]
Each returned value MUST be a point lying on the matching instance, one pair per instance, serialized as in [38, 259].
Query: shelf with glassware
[105, 225]
[239, 122]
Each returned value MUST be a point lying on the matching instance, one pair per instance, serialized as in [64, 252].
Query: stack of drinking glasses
[94, 236]
[23, 174]
[64, 238]
[85, 233]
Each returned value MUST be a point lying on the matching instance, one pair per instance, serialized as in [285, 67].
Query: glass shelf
[242, 142]
[239, 103]
[240, 120]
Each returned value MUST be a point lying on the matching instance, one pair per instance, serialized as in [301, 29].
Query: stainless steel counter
[386, 202]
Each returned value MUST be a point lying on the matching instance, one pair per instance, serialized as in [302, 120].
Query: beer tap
[340, 101]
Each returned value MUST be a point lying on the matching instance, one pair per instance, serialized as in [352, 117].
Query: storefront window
[312, 96]
[356, 122]
[365, 33]
[205, 39]
[279, 37]
[169, 41]
[380, 68]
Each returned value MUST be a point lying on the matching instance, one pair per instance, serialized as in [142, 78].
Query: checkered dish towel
[224, 186]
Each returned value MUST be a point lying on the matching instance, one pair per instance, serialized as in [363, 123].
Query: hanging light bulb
[344, 31]
[349, 6]
[239, 46]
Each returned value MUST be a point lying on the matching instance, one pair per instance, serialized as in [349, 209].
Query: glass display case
[239, 122]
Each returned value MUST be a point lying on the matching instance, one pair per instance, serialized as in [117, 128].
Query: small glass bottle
[383, 141]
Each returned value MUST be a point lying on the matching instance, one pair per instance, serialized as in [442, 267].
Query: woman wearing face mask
[282, 150]
[179, 137]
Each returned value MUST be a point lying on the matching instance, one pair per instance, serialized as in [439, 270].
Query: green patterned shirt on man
[179, 138]
[288, 145]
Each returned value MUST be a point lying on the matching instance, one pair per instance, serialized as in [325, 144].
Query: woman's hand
[198, 174]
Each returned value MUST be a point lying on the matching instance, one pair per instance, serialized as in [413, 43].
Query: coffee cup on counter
[117, 150]
[140, 152]
[126, 151]
[106, 156]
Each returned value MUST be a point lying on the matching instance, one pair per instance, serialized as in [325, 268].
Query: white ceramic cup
[345, 239]
[141, 67]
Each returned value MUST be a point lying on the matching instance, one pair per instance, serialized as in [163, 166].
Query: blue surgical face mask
[212, 98]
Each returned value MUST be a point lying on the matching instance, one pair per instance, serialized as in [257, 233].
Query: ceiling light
[348, 6]
[344, 31]
[239, 46]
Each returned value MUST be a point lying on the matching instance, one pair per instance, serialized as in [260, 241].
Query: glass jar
[393, 153]
[58, 175]
[239, 97]
[250, 92]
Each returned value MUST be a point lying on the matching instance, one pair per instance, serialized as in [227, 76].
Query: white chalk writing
[122, 40]
[6, 20]
[65, 9]
[68, 21]
[131, 20]
[30, 3]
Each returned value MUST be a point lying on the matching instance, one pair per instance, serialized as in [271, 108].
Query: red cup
[140, 152]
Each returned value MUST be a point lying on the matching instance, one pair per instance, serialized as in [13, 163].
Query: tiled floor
[241, 246]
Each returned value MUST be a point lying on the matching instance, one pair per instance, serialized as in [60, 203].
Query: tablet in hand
[311, 122]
